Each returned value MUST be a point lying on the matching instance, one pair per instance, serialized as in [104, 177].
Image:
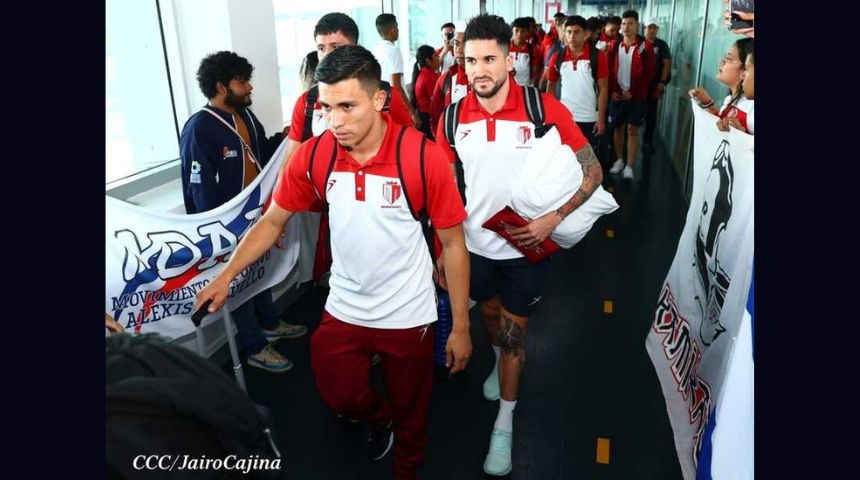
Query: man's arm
[540, 228]
[256, 242]
[397, 82]
[199, 171]
[456, 259]
[602, 99]
[592, 176]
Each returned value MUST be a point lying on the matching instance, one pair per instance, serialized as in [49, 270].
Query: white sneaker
[617, 167]
[498, 461]
[628, 173]
[492, 389]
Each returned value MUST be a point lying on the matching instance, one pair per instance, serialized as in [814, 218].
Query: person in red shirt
[445, 53]
[424, 78]
[377, 246]
[631, 67]
[503, 281]
[333, 30]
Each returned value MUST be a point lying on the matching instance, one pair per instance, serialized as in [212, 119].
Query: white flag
[698, 337]
[157, 262]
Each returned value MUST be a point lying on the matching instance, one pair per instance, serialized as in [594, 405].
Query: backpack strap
[534, 105]
[407, 182]
[452, 119]
[310, 102]
[446, 84]
[594, 58]
[559, 61]
[320, 186]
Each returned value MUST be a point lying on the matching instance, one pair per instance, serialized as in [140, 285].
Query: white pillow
[550, 176]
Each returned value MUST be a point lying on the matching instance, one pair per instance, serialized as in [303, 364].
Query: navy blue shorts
[631, 112]
[518, 282]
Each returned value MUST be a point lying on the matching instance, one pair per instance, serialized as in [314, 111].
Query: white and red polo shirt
[492, 148]
[525, 59]
[577, 82]
[381, 275]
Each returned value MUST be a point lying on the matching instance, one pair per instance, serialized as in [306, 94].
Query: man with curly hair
[223, 148]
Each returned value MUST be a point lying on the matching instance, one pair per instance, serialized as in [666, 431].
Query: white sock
[505, 419]
[621, 160]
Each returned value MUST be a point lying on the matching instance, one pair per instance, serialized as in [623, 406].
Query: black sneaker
[379, 441]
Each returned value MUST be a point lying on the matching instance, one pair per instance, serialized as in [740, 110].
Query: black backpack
[162, 399]
[311, 101]
[593, 53]
[534, 109]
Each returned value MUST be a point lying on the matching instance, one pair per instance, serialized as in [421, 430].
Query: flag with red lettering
[699, 343]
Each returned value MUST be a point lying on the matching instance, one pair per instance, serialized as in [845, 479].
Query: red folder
[506, 220]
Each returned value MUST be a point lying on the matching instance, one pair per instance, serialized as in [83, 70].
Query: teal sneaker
[285, 330]
[498, 460]
[491, 385]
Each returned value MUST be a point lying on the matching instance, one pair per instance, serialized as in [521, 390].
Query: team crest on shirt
[391, 191]
[524, 134]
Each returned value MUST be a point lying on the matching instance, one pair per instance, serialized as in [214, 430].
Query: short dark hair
[614, 19]
[595, 24]
[630, 14]
[521, 22]
[576, 20]
[350, 61]
[489, 27]
[337, 22]
[385, 22]
[448, 25]
[559, 15]
[221, 67]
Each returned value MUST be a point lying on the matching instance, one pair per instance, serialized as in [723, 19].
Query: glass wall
[294, 30]
[140, 127]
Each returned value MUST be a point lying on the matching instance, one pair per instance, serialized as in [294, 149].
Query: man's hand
[626, 95]
[537, 230]
[749, 16]
[616, 96]
[599, 127]
[112, 325]
[416, 119]
[217, 290]
[439, 273]
[458, 350]
[659, 90]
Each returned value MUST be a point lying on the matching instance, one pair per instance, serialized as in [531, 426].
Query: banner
[700, 342]
[157, 262]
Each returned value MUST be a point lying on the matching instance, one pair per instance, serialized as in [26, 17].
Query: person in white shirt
[391, 60]
[446, 51]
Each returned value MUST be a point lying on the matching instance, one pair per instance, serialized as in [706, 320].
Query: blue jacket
[213, 163]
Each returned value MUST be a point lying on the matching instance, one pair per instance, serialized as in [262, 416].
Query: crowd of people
[456, 135]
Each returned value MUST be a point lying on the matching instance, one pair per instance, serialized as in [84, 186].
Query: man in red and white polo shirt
[333, 30]
[584, 91]
[492, 154]
[382, 297]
